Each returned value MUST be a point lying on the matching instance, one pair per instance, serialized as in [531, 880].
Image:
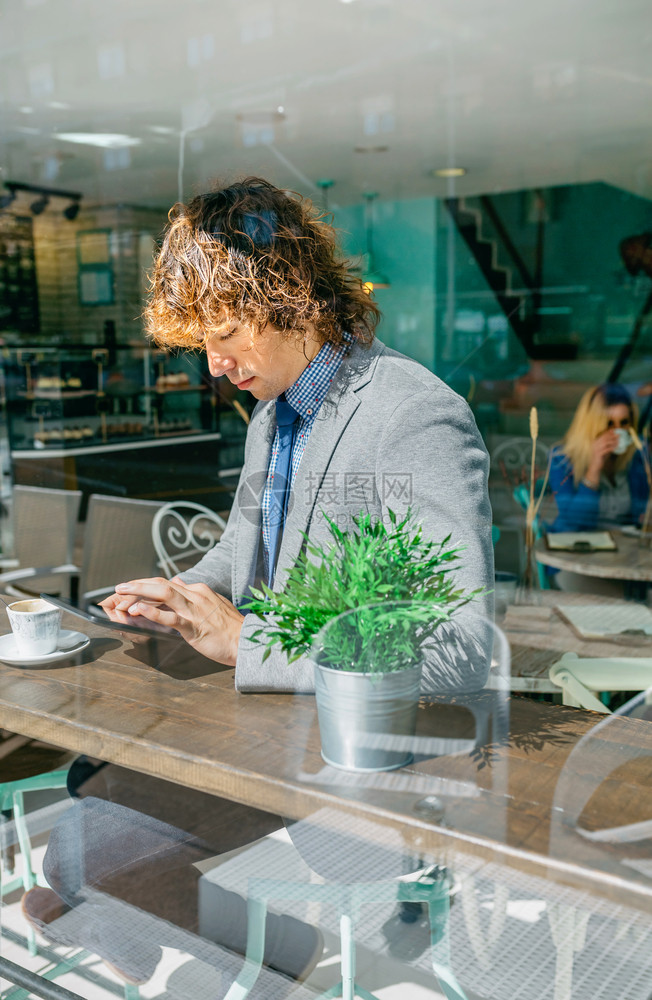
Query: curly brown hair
[254, 253]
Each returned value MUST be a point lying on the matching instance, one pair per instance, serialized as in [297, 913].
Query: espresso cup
[624, 440]
[35, 624]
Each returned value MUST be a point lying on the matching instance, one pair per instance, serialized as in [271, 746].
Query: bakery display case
[121, 420]
[71, 398]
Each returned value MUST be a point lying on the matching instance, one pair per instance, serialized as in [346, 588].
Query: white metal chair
[182, 532]
[513, 459]
[580, 678]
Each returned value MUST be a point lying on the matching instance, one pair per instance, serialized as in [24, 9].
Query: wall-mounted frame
[94, 268]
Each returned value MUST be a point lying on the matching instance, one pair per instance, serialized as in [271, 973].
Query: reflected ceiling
[130, 100]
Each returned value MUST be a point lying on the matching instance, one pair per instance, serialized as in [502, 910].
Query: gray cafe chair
[117, 546]
[43, 523]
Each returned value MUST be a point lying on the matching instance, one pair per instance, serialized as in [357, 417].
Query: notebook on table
[581, 541]
[596, 621]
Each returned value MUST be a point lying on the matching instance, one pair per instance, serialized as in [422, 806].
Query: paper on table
[594, 621]
[581, 541]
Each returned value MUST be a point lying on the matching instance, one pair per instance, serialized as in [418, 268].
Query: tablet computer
[135, 623]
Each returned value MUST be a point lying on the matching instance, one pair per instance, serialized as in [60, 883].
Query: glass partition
[488, 174]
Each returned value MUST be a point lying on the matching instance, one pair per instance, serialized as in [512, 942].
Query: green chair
[348, 900]
[12, 805]
[12, 808]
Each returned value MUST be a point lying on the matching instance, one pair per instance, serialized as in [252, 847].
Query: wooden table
[158, 708]
[538, 637]
[631, 561]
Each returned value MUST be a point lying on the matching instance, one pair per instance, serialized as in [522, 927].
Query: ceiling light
[261, 117]
[449, 172]
[105, 140]
[39, 206]
[162, 129]
[26, 110]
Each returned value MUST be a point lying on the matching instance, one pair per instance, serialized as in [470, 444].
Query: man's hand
[206, 620]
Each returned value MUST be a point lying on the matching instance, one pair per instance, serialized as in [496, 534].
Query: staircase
[520, 303]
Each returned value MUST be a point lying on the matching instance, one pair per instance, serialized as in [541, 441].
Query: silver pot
[367, 721]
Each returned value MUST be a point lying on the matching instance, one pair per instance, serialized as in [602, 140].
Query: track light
[7, 199]
[371, 278]
[72, 211]
[39, 206]
[45, 195]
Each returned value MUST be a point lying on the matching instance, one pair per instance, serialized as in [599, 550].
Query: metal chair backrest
[513, 459]
[117, 544]
[44, 523]
[182, 532]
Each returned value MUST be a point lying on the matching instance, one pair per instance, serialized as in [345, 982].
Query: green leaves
[405, 578]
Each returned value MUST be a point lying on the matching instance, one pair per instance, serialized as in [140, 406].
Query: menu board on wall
[18, 288]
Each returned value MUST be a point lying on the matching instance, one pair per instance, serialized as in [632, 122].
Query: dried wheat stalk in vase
[530, 512]
[240, 410]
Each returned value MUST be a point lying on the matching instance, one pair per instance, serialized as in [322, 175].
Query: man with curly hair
[253, 276]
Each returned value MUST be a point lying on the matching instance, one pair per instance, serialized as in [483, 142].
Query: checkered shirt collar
[307, 394]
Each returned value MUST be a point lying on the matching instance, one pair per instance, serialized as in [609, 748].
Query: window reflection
[509, 168]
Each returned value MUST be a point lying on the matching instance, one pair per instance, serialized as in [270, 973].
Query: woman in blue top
[597, 474]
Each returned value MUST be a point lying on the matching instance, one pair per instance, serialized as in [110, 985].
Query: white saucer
[69, 644]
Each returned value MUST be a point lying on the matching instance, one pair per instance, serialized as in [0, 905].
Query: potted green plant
[362, 607]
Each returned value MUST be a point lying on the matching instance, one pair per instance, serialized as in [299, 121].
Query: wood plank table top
[630, 561]
[538, 637]
[159, 708]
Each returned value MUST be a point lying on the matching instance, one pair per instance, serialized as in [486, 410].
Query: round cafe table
[631, 561]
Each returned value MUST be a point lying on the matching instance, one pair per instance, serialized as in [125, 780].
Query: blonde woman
[597, 474]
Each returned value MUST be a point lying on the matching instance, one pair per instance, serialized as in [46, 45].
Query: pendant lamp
[372, 278]
[324, 184]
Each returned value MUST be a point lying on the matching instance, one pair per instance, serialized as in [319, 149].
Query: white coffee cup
[35, 624]
[624, 440]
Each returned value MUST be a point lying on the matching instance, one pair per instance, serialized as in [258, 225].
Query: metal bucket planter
[367, 721]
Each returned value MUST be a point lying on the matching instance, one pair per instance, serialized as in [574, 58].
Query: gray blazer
[389, 434]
